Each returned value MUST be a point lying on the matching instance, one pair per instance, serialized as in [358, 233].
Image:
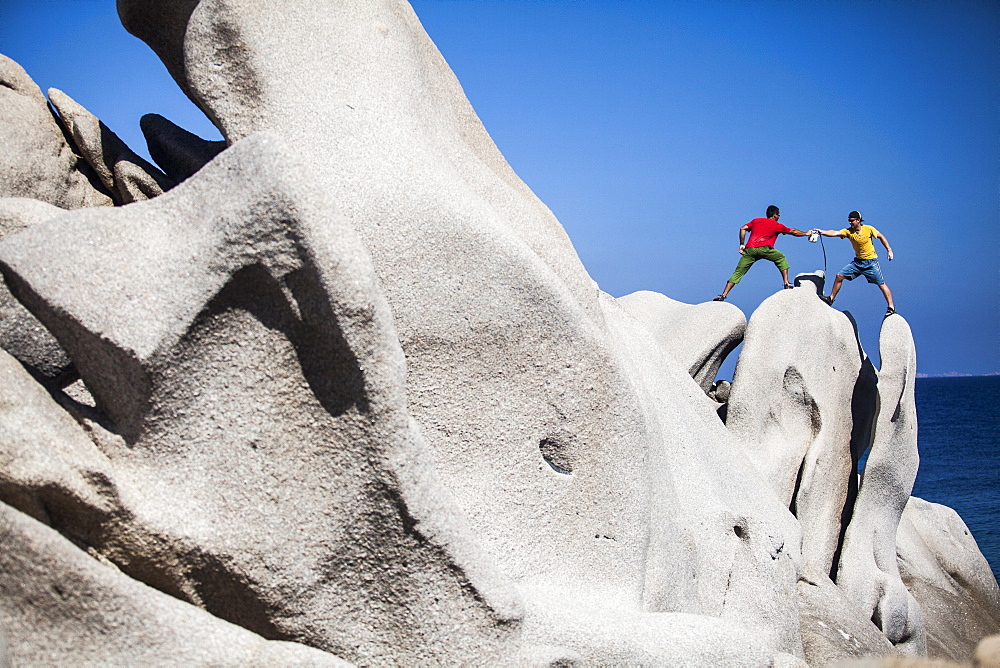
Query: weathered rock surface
[49, 468]
[59, 606]
[4, 650]
[816, 278]
[262, 460]
[802, 404]
[128, 177]
[612, 633]
[698, 336]
[348, 384]
[987, 652]
[525, 396]
[36, 160]
[21, 334]
[946, 573]
[743, 557]
[834, 628]
[867, 570]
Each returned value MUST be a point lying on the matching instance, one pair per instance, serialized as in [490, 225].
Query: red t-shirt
[764, 232]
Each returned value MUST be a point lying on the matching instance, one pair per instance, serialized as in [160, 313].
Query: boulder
[834, 628]
[949, 577]
[128, 177]
[802, 404]
[538, 423]
[867, 570]
[21, 334]
[698, 336]
[720, 391]
[36, 160]
[721, 544]
[816, 278]
[251, 410]
[60, 606]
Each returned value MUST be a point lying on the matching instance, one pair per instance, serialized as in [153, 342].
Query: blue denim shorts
[867, 268]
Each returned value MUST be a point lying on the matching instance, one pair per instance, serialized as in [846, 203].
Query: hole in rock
[722, 383]
[557, 452]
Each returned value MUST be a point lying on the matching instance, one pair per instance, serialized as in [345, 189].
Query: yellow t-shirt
[864, 249]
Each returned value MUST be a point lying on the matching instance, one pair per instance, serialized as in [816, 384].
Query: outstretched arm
[796, 233]
[743, 237]
[832, 233]
[885, 242]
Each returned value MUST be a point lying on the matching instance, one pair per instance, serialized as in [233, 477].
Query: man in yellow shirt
[865, 262]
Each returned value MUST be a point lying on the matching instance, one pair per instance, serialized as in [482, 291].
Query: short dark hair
[771, 210]
[855, 214]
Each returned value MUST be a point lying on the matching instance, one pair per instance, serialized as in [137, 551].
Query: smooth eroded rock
[834, 628]
[179, 152]
[250, 402]
[698, 336]
[867, 570]
[21, 334]
[36, 160]
[949, 577]
[802, 403]
[59, 606]
[128, 177]
[539, 414]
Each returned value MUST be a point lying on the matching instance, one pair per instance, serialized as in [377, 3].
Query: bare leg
[887, 294]
[729, 286]
[784, 276]
[837, 282]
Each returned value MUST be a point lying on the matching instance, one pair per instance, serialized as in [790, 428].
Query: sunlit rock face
[867, 570]
[699, 336]
[948, 576]
[537, 426]
[345, 383]
[36, 159]
[251, 372]
[802, 401]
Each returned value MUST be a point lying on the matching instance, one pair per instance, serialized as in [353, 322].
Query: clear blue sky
[653, 130]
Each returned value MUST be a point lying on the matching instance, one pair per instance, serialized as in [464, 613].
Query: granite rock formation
[21, 334]
[70, 606]
[124, 174]
[948, 576]
[345, 384]
[37, 159]
[251, 370]
[699, 336]
[803, 400]
[867, 570]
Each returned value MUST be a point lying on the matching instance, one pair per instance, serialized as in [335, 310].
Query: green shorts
[751, 255]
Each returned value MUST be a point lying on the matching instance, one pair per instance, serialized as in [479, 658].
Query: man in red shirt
[763, 233]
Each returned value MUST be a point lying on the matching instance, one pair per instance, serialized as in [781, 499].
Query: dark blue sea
[958, 437]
